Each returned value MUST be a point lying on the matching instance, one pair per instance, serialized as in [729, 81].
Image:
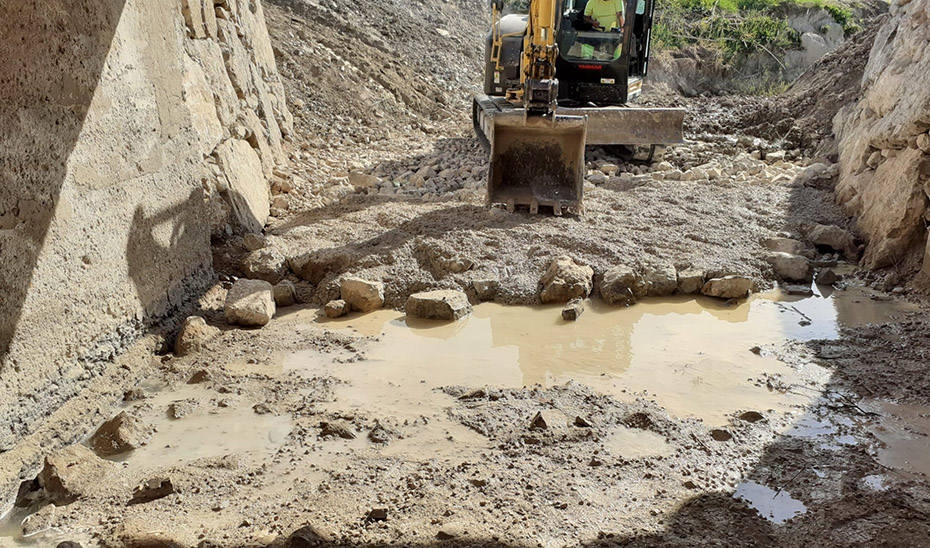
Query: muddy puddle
[698, 358]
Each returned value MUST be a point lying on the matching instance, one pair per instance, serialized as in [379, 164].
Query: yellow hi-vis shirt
[604, 12]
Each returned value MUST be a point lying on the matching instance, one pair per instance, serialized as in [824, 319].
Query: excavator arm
[537, 155]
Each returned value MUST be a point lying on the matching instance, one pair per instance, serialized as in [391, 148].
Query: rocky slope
[884, 145]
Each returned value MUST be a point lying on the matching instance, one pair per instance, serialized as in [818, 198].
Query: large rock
[883, 168]
[318, 264]
[122, 433]
[449, 305]
[250, 303]
[794, 268]
[833, 237]
[265, 264]
[660, 280]
[729, 287]
[194, 334]
[363, 295]
[565, 280]
[788, 245]
[73, 473]
[621, 285]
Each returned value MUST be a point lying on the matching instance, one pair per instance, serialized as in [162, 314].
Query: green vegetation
[737, 26]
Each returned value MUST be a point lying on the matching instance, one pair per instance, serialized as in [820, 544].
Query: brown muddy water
[698, 358]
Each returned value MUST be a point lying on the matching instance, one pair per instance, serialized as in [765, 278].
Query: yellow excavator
[536, 125]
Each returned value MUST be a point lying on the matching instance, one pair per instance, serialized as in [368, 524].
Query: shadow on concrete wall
[53, 53]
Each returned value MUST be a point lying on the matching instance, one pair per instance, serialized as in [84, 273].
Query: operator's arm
[588, 10]
[620, 19]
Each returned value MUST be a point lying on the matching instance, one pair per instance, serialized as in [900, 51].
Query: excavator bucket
[537, 160]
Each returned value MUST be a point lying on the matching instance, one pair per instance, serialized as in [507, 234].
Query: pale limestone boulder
[448, 305]
[690, 281]
[788, 245]
[729, 287]
[194, 334]
[660, 280]
[363, 295]
[565, 279]
[73, 473]
[794, 268]
[336, 309]
[623, 286]
[250, 303]
[265, 264]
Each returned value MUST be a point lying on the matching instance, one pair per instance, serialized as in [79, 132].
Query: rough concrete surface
[111, 112]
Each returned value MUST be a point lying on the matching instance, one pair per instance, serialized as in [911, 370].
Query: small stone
[250, 303]
[923, 142]
[799, 290]
[448, 305]
[336, 309]
[181, 408]
[827, 276]
[729, 287]
[451, 531]
[337, 428]
[363, 180]
[690, 281]
[285, 294]
[262, 408]
[777, 156]
[573, 310]
[265, 264]
[549, 419]
[253, 242]
[380, 434]
[720, 434]
[610, 169]
[597, 178]
[486, 290]
[564, 280]
[790, 267]
[622, 286]
[751, 416]
[194, 334]
[152, 489]
[363, 295]
[68, 544]
[377, 514]
[582, 422]
[200, 377]
[122, 433]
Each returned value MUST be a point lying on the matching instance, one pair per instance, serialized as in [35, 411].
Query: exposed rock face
[250, 303]
[363, 295]
[884, 170]
[835, 238]
[690, 280]
[566, 280]
[193, 335]
[729, 287]
[660, 280]
[622, 286]
[122, 433]
[448, 305]
[72, 473]
[123, 127]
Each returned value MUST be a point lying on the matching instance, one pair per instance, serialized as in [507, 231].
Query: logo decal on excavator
[591, 67]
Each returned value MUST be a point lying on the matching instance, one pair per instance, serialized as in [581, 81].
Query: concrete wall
[130, 131]
[884, 145]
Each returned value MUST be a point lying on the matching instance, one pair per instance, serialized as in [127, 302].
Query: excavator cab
[554, 84]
